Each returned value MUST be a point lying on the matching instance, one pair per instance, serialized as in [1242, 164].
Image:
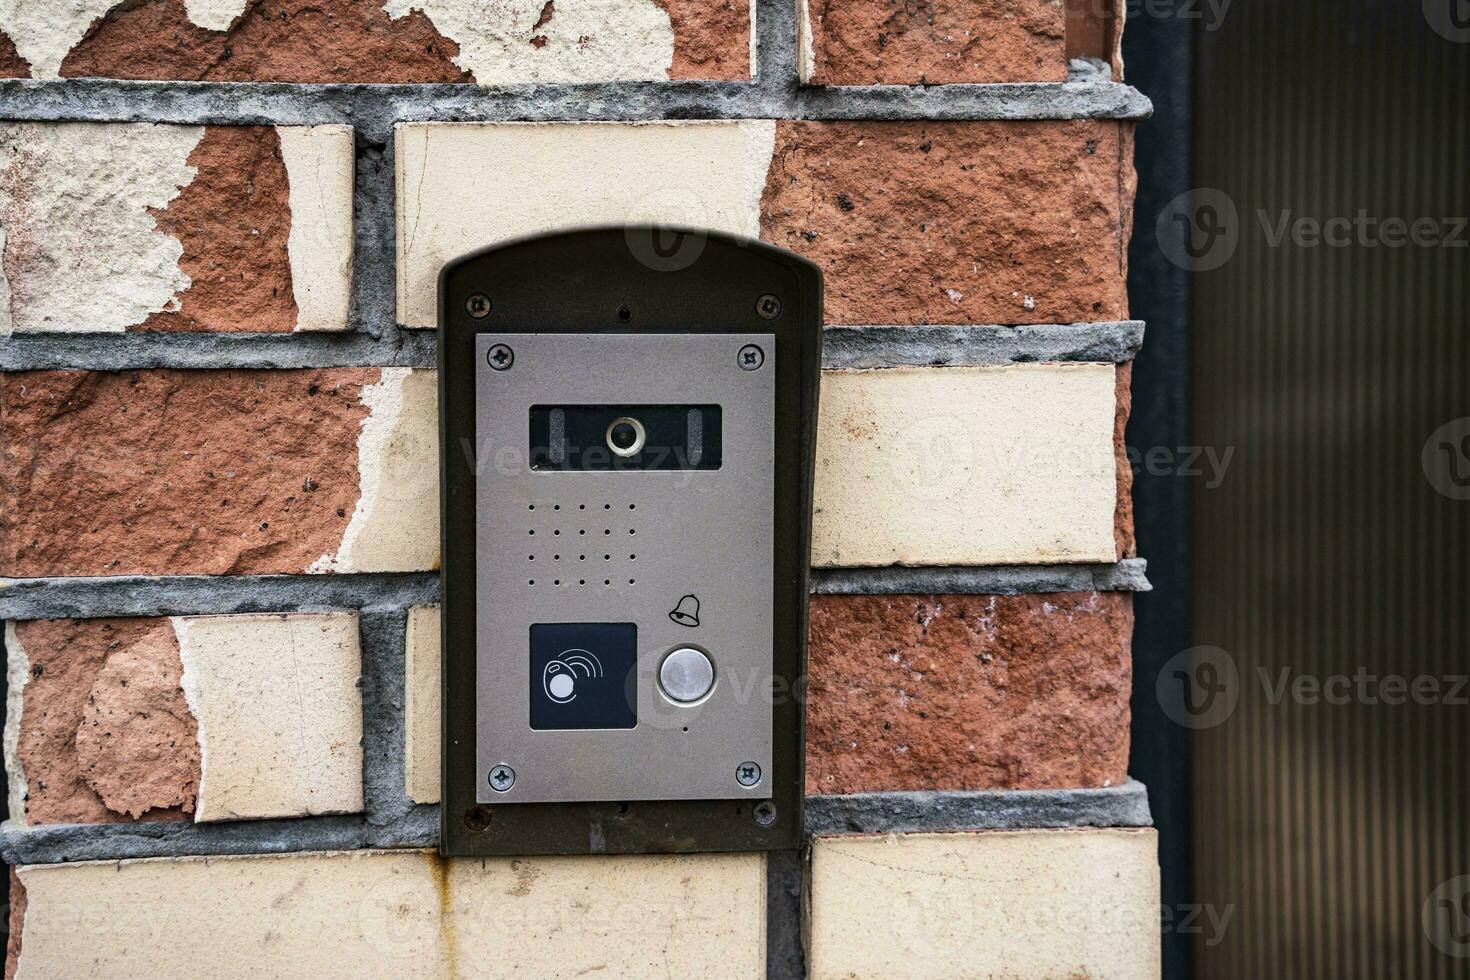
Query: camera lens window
[626, 436]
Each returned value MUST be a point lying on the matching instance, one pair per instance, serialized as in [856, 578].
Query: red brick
[177, 472]
[105, 733]
[1123, 519]
[905, 42]
[968, 692]
[957, 222]
[1094, 30]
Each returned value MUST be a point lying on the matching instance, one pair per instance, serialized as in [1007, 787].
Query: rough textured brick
[957, 222]
[1126, 543]
[16, 921]
[110, 227]
[395, 521]
[519, 41]
[218, 472]
[1095, 30]
[12, 65]
[887, 42]
[1054, 903]
[968, 692]
[397, 914]
[204, 718]
[966, 466]
[463, 187]
[97, 729]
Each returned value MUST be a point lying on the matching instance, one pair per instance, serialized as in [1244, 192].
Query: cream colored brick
[1015, 904]
[465, 186]
[509, 42]
[279, 713]
[966, 466]
[397, 914]
[421, 705]
[395, 525]
[319, 165]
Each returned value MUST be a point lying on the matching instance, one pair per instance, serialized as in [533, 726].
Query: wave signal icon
[559, 679]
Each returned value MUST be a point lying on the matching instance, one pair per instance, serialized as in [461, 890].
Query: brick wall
[219, 498]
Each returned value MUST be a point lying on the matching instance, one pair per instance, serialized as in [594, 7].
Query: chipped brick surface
[177, 472]
[1123, 517]
[1094, 31]
[711, 39]
[274, 40]
[234, 222]
[12, 65]
[968, 692]
[137, 745]
[957, 222]
[17, 922]
[887, 42]
[321, 41]
[105, 734]
[122, 226]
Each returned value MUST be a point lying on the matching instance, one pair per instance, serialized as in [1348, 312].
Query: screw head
[747, 774]
[477, 819]
[768, 307]
[765, 813]
[502, 778]
[750, 358]
[477, 305]
[500, 357]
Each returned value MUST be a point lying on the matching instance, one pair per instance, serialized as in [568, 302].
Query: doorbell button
[686, 675]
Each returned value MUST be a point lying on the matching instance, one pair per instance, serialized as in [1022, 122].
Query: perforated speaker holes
[581, 545]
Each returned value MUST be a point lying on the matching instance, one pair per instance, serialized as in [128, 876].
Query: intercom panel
[628, 422]
[623, 555]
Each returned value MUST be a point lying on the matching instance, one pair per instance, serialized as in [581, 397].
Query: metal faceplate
[684, 556]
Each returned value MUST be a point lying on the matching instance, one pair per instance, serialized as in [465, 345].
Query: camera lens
[625, 436]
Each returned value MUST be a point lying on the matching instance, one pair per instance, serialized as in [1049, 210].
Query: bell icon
[686, 613]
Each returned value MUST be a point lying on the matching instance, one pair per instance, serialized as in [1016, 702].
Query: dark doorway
[1327, 260]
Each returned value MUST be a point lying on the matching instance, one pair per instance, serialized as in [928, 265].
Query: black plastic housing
[636, 279]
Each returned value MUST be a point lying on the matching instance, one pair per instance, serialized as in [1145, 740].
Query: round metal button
[686, 675]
